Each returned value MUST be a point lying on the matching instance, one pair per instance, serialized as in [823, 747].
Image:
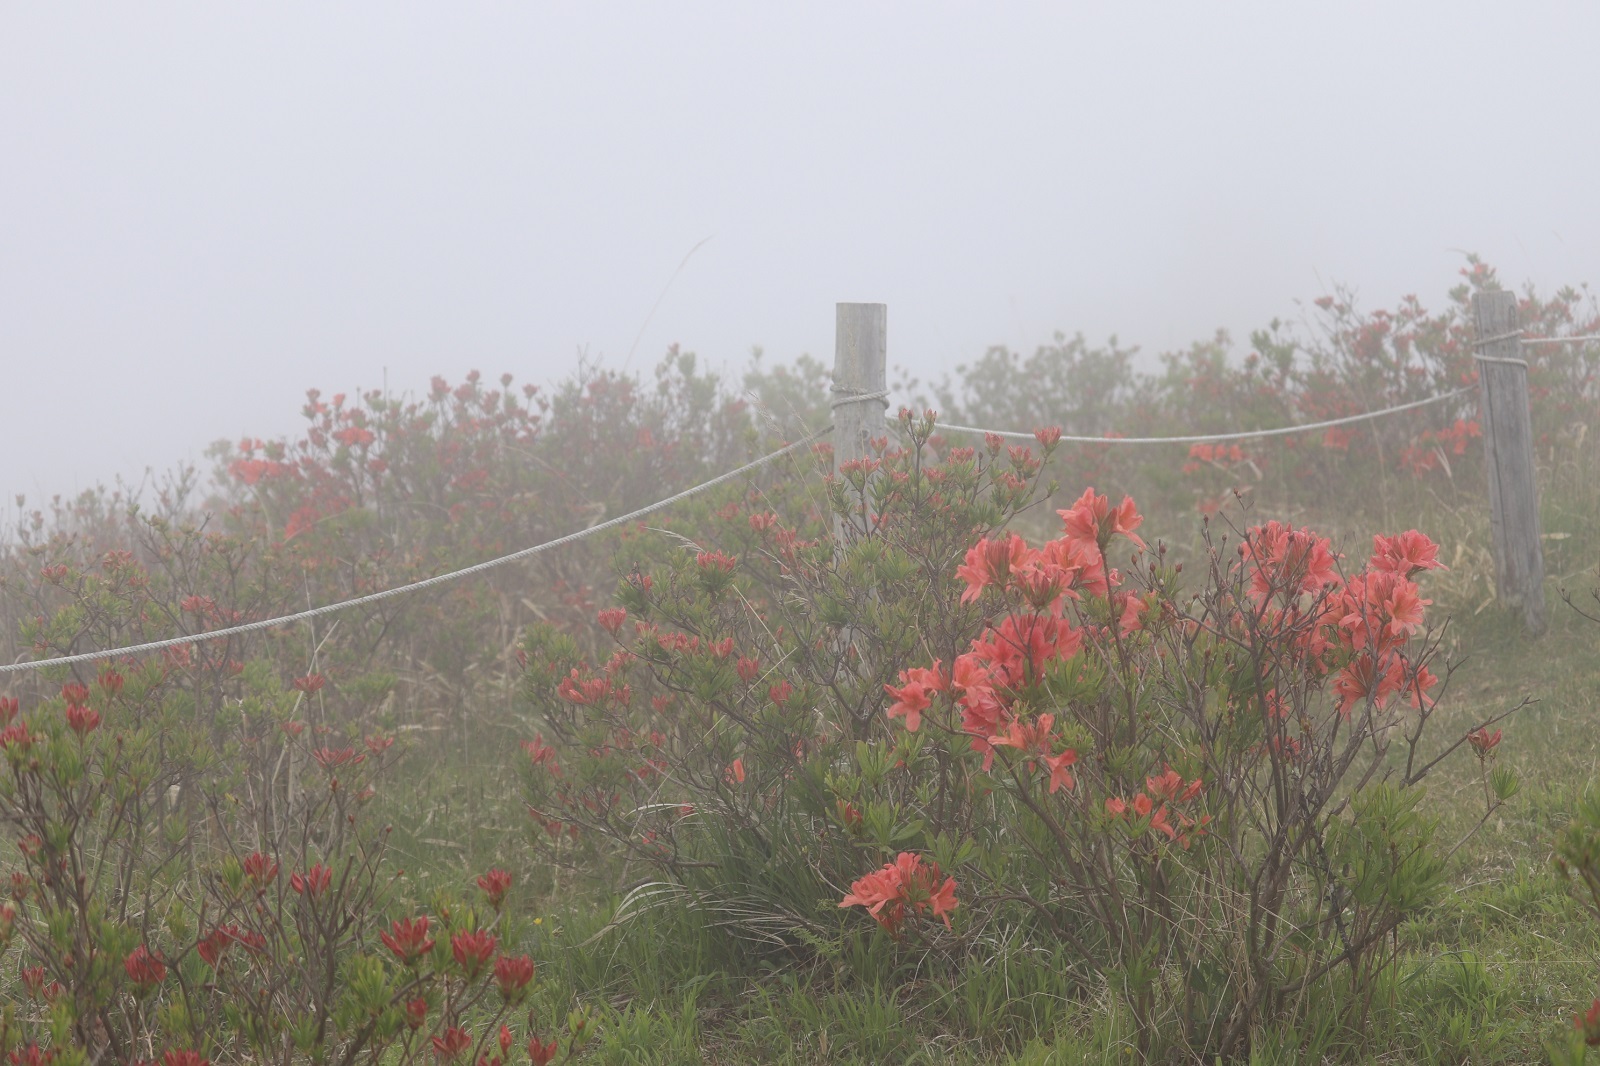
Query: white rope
[1517, 333]
[1211, 437]
[1585, 338]
[415, 586]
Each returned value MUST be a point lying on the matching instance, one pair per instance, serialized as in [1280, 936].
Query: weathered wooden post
[1508, 454]
[860, 370]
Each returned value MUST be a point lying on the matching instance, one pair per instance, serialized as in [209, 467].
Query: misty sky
[206, 209]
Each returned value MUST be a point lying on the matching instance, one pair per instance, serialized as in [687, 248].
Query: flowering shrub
[171, 902]
[376, 492]
[1207, 794]
[734, 721]
[1231, 802]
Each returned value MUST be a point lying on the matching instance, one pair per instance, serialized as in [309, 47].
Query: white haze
[206, 209]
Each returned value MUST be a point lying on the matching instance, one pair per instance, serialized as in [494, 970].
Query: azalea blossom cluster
[1428, 451]
[1008, 658]
[346, 455]
[1223, 455]
[1360, 625]
[1353, 630]
[1163, 799]
[640, 748]
[909, 881]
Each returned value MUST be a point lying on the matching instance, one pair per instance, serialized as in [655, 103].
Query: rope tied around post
[1484, 342]
[857, 396]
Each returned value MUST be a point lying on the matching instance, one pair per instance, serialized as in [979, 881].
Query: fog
[207, 209]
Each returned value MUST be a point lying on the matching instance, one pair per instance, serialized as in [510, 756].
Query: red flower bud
[1483, 742]
[313, 882]
[32, 1055]
[82, 720]
[16, 735]
[452, 1043]
[540, 753]
[310, 683]
[145, 969]
[110, 681]
[716, 560]
[331, 759]
[512, 975]
[408, 939]
[1588, 1024]
[184, 1058]
[495, 883]
[472, 952]
[260, 869]
[215, 944]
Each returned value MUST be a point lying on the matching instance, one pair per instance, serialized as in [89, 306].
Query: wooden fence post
[860, 369]
[1508, 454]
